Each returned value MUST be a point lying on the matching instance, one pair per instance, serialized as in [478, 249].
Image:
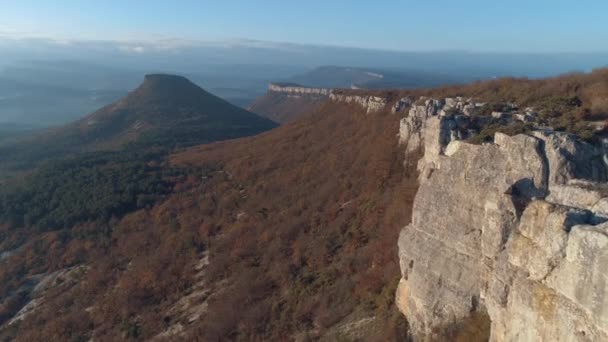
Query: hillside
[165, 110]
[287, 235]
[277, 251]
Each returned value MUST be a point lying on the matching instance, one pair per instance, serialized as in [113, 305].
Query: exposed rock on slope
[506, 240]
[370, 103]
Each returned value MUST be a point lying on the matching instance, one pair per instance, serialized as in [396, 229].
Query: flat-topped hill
[165, 110]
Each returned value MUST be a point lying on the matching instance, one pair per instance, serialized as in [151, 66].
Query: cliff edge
[508, 240]
[285, 102]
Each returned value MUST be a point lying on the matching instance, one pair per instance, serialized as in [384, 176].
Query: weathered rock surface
[572, 159]
[432, 124]
[370, 103]
[507, 240]
[298, 90]
[38, 288]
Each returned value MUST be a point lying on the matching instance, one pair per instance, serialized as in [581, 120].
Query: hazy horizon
[49, 82]
[60, 61]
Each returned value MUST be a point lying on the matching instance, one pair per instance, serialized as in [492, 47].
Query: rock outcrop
[402, 104]
[285, 102]
[298, 90]
[370, 103]
[431, 124]
[508, 240]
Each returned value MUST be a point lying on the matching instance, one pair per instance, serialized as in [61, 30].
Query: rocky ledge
[508, 240]
[431, 124]
[369, 103]
[298, 90]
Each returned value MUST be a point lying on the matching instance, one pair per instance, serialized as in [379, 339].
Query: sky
[422, 25]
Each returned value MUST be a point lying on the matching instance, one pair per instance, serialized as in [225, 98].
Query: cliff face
[370, 103]
[285, 102]
[297, 90]
[508, 240]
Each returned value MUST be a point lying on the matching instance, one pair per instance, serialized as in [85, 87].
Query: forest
[94, 187]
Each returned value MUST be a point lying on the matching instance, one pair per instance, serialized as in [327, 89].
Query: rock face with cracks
[370, 103]
[508, 241]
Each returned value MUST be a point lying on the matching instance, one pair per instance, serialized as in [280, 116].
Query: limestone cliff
[285, 102]
[298, 90]
[508, 240]
[370, 103]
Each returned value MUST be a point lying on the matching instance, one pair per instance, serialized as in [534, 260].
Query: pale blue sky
[474, 25]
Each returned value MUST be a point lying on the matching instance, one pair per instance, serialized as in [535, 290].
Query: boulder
[579, 194]
[571, 158]
[523, 117]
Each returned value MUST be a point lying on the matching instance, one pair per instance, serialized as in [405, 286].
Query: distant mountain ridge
[372, 78]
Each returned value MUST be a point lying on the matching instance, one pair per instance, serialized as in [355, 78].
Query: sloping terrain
[286, 102]
[297, 229]
[164, 110]
[318, 216]
[288, 235]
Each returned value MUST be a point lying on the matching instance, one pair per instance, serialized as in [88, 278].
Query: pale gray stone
[484, 240]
